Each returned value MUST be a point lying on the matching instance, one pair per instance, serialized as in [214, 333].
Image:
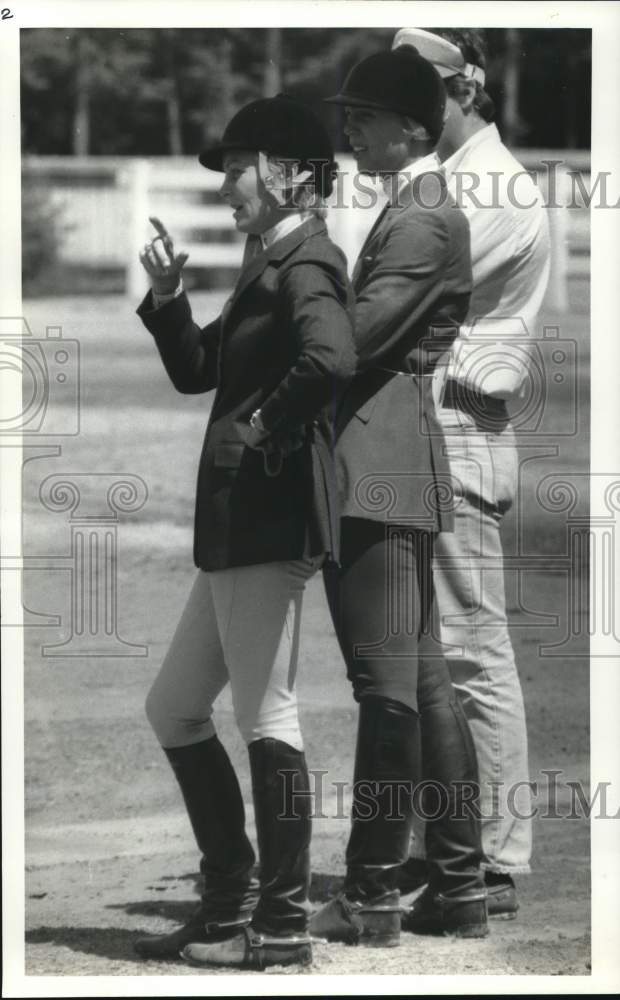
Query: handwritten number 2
[6, 13]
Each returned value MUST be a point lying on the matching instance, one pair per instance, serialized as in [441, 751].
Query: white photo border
[604, 20]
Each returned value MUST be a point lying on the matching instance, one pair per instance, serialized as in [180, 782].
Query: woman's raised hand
[160, 262]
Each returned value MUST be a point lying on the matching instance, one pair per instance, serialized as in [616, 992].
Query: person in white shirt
[485, 369]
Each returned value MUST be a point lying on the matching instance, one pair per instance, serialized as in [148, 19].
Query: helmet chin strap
[418, 132]
[274, 177]
[475, 73]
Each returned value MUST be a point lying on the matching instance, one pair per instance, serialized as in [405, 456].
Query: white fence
[106, 203]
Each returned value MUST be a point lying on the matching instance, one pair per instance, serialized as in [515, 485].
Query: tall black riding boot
[213, 800]
[283, 812]
[282, 807]
[453, 845]
[455, 899]
[386, 764]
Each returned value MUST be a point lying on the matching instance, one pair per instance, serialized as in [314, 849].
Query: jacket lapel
[278, 251]
[365, 254]
[418, 191]
[374, 228]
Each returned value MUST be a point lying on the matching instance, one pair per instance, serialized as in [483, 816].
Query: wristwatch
[256, 422]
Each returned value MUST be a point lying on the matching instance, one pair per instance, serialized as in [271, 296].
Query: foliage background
[157, 91]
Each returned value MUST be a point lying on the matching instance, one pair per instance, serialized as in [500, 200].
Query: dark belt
[483, 408]
[487, 411]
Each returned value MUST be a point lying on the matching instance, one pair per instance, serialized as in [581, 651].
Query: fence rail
[106, 202]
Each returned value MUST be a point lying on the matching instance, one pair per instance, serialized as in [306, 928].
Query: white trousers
[242, 626]
[470, 606]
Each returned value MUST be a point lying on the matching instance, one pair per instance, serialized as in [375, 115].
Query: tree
[273, 62]
[157, 91]
[65, 73]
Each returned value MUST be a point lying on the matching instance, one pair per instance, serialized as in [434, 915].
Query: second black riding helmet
[401, 81]
[281, 127]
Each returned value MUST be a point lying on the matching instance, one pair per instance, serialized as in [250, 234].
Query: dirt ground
[109, 853]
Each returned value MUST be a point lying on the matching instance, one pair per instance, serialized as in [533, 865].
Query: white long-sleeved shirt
[510, 252]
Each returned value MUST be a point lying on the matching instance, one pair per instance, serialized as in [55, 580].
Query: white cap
[446, 57]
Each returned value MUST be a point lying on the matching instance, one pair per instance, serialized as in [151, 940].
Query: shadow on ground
[118, 944]
[103, 942]
[322, 887]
